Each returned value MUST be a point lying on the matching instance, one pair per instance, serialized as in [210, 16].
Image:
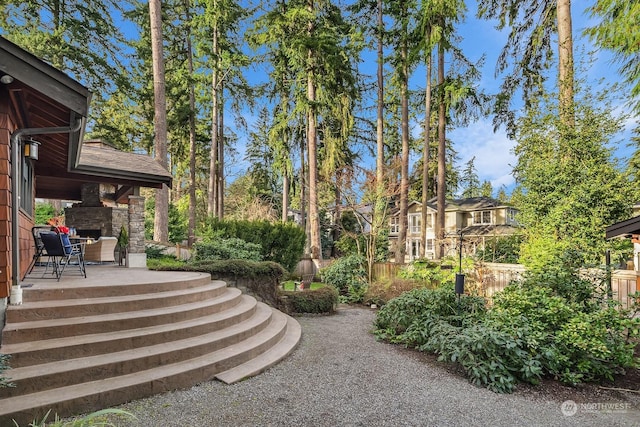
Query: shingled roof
[99, 159]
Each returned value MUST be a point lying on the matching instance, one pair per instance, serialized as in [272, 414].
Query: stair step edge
[269, 358]
[69, 365]
[247, 301]
[163, 374]
[229, 295]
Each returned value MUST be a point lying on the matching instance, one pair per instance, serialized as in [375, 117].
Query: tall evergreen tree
[80, 38]
[161, 218]
[469, 180]
[403, 42]
[532, 25]
[571, 189]
[314, 39]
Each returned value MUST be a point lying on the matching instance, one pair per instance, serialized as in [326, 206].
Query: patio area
[97, 275]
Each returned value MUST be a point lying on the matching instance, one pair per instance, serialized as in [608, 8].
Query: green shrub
[164, 261]
[226, 248]
[280, 242]
[322, 300]
[154, 251]
[408, 318]
[262, 279]
[491, 357]
[234, 268]
[552, 324]
[433, 273]
[574, 341]
[4, 365]
[348, 276]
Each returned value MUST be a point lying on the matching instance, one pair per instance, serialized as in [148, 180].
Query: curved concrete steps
[83, 348]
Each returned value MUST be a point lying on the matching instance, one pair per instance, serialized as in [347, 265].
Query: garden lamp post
[459, 275]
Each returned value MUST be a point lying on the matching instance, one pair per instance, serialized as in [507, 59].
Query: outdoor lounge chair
[60, 253]
[102, 250]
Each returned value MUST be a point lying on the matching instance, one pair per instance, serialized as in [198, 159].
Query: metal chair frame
[61, 254]
[39, 246]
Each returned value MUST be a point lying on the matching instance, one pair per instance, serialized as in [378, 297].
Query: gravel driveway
[340, 376]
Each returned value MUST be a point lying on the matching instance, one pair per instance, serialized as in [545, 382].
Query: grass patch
[289, 285]
[164, 261]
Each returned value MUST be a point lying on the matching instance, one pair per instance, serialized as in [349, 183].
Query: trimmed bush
[322, 300]
[281, 243]
[262, 279]
[226, 248]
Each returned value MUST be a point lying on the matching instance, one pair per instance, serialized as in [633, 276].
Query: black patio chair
[61, 253]
[39, 246]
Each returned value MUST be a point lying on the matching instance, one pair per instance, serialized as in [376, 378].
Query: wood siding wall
[7, 127]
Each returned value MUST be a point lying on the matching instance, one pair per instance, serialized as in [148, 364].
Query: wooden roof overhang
[627, 228]
[42, 96]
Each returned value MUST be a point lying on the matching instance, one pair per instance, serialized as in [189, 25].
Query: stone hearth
[93, 217]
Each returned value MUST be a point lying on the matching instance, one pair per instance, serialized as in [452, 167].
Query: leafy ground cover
[552, 325]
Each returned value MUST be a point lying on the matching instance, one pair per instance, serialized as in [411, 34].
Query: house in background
[43, 113]
[478, 219]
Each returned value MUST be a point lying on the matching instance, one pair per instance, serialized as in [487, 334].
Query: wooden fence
[385, 270]
[493, 277]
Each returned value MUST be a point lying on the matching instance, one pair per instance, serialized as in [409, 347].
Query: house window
[429, 221]
[26, 186]
[415, 223]
[429, 244]
[481, 217]
[394, 225]
[414, 250]
[511, 216]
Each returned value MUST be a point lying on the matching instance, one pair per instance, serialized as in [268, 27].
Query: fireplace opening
[93, 234]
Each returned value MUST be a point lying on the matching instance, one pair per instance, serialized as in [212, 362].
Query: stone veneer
[107, 220]
[136, 255]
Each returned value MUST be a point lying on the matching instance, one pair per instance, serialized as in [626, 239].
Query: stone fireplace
[94, 217]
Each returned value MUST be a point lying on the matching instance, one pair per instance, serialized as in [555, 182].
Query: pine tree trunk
[314, 217]
[442, 179]
[565, 62]
[425, 155]
[285, 196]
[401, 249]
[220, 168]
[303, 196]
[161, 219]
[192, 139]
[380, 117]
[212, 199]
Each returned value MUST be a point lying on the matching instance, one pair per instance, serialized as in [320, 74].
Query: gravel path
[341, 376]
